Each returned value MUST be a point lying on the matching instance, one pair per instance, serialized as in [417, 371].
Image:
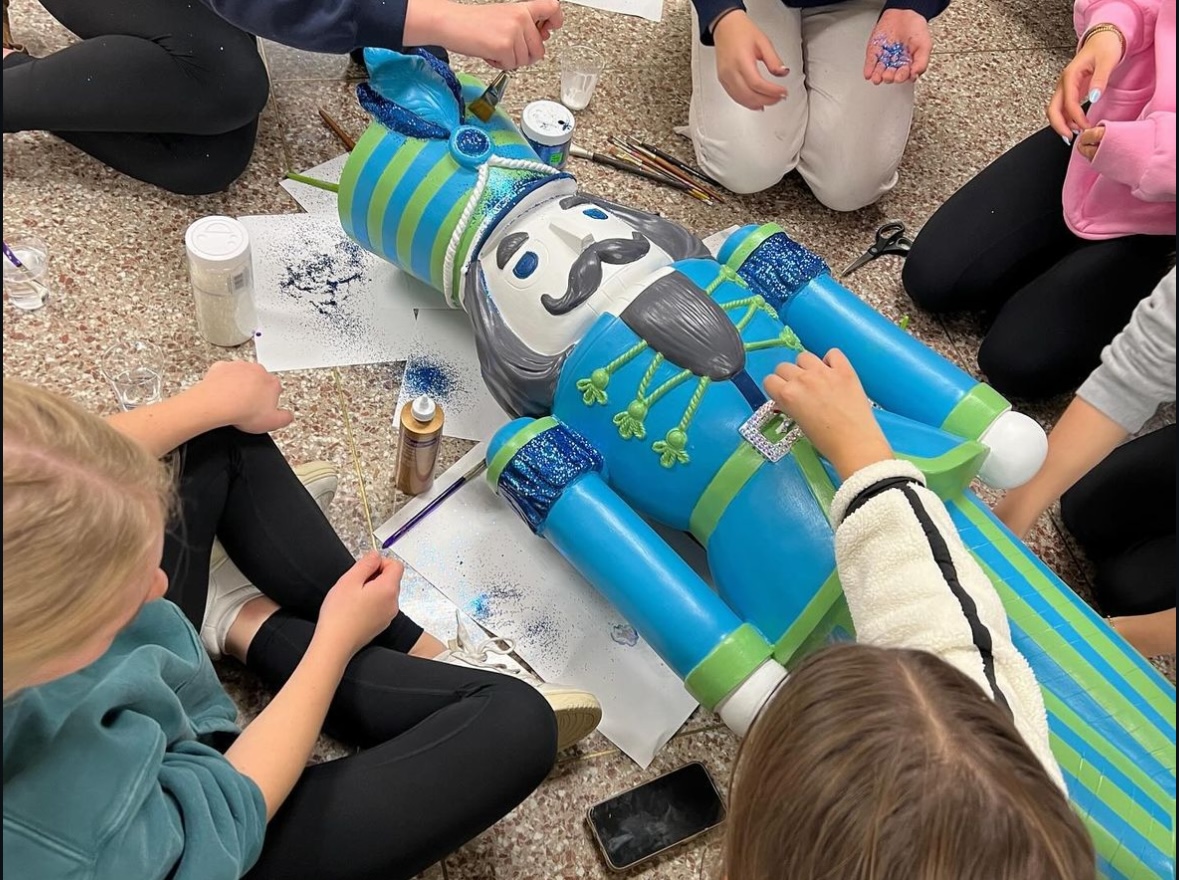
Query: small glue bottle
[419, 436]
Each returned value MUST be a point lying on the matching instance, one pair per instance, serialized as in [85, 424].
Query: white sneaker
[229, 589]
[578, 712]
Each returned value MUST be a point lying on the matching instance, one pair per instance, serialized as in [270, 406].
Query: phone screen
[656, 815]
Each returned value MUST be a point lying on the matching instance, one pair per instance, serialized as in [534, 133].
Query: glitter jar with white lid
[222, 279]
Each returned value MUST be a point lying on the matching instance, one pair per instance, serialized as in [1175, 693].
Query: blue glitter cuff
[779, 267]
[543, 468]
[395, 117]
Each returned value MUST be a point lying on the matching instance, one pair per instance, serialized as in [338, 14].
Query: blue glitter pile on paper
[426, 376]
[321, 279]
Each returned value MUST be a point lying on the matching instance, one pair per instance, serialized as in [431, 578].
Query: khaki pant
[843, 134]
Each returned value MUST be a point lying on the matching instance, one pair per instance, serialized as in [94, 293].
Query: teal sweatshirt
[109, 773]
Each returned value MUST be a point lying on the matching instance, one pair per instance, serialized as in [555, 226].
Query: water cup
[24, 284]
[580, 68]
[135, 370]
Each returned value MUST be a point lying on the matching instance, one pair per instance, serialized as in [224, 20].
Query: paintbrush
[673, 171]
[609, 161]
[337, 130]
[484, 106]
[643, 161]
[442, 496]
[683, 166]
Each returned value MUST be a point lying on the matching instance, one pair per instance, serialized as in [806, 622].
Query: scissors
[890, 239]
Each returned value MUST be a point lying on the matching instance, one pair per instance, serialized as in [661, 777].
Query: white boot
[739, 709]
[229, 589]
[578, 712]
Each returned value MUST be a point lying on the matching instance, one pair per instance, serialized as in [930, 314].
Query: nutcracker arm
[898, 372]
[555, 480]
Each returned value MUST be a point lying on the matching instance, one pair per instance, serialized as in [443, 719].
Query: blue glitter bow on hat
[413, 94]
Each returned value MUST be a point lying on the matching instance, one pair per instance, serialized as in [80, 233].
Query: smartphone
[651, 818]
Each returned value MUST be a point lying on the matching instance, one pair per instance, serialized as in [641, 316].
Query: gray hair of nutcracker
[522, 381]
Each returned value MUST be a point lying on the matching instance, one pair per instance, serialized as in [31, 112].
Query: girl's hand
[1085, 78]
[246, 395]
[826, 400]
[505, 35]
[1089, 141]
[361, 604]
[740, 45]
[899, 47]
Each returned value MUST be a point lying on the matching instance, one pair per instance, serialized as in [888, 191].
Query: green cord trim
[672, 448]
[313, 181]
[593, 388]
[732, 661]
[816, 477]
[750, 244]
[508, 451]
[721, 490]
[975, 412]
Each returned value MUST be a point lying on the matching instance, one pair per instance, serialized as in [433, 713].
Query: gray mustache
[585, 276]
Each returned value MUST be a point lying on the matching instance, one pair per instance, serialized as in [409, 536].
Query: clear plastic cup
[25, 284]
[135, 370]
[581, 67]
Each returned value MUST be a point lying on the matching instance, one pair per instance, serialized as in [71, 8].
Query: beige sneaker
[229, 589]
[578, 712]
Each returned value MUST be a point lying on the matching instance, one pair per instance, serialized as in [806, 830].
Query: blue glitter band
[395, 117]
[452, 83]
[543, 468]
[779, 267]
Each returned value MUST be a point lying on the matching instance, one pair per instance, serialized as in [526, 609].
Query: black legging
[162, 90]
[447, 751]
[1000, 246]
[1123, 514]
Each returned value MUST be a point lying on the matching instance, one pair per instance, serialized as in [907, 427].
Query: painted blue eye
[526, 265]
[596, 213]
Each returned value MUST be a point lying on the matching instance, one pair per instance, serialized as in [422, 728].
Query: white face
[539, 250]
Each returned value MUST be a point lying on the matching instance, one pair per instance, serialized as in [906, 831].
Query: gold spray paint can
[419, 437]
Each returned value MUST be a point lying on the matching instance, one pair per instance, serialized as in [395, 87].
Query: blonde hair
[879, 764]
[83, 506]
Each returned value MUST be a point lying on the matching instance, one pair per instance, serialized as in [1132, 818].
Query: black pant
[1123, 514]
[447, 751]
[162, 90]
[1000, 246]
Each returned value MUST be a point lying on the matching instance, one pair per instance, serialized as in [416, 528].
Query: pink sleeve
[1140, 154]
[1134, 18]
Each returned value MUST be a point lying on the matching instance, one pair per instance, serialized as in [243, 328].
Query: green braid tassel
[630, 421]
[593, 389]
[671, 448]
[790, 338]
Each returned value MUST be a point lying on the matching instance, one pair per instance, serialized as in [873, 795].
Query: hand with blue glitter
[898, 50]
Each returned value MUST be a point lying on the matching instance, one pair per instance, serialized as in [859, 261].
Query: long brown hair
[882, 764]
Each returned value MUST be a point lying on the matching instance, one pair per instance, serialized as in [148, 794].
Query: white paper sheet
[478, 552]
[443, 363]
[312, 199]
[652, 10]
[324, 301]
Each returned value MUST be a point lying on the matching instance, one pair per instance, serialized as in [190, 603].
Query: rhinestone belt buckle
[770, 432]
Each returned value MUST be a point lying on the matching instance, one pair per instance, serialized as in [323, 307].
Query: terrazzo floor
[118, 264]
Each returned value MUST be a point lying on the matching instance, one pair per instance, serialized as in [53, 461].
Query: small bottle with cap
[419, 438]
[222, 279]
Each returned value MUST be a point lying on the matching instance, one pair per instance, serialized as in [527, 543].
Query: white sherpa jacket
[910, 582]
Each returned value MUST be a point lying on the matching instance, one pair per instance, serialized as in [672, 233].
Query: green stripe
[1113, 797]
[1096, 635]
[438, 177]
[463, 246]
[750, 244]
[506, 452]
[1065, 655]
[438, 252]
[727, 665]
[383, 191]
[951, 472]
[1074, 722]
[816, 477]
[1116, 854]
[973, 414]
[355, 164]
[722, 489]
[805, 624]
[503, 137]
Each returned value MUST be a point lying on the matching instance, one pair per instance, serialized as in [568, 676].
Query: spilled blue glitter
[541, 470]
[779, 267]
[320, 279]
[426, 376]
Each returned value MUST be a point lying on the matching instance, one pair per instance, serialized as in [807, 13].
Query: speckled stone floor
[118, 262]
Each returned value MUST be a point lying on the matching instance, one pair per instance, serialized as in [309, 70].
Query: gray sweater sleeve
[1137, 371]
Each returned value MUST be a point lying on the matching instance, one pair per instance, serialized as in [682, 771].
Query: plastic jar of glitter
[548, 128]
[222, 279]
